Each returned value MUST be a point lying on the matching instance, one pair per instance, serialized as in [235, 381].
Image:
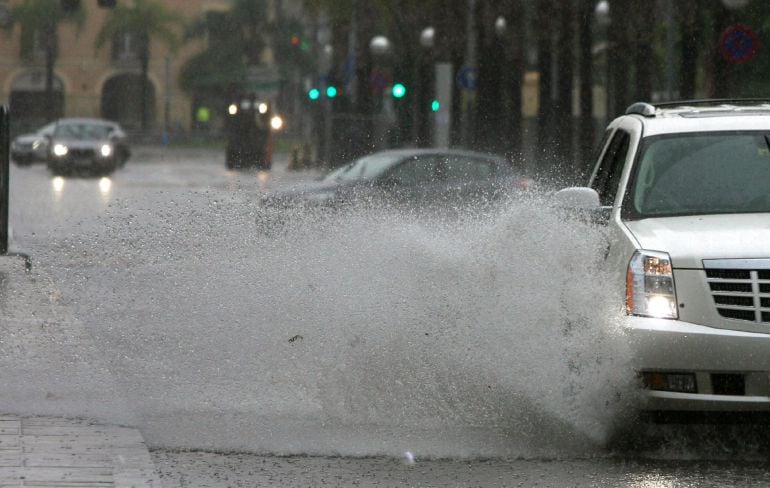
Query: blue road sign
[468, 78]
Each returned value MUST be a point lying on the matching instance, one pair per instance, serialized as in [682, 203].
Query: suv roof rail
[713, 101]
[649, 110]
[641, 108]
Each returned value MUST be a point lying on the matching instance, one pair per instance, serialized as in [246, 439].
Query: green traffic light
[399, 90]
[435, 105]
[331, 92]
[314, 94]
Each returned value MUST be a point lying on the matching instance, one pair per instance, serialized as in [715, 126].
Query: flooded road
[353, 343]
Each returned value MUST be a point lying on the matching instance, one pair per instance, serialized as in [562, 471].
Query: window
[460, 168]
[126, 47]
[34, 43]
[608, 177]
[415, 171]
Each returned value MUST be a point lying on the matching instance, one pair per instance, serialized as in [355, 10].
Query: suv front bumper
[673, 346]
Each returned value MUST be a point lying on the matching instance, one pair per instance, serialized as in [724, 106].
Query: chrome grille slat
[736, 307]
[739, 291]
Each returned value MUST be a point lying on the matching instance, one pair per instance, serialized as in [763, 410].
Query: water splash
[364, 331]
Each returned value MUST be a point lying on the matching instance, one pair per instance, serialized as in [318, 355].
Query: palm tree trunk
[586, 74]
[144, 60]
[514, 75]
[564, 81]
[644, 13]
[691, 39]
[50, 61]
[544, 14]
[619, 50]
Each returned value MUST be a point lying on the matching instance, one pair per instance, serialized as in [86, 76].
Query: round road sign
[738, 43]
[468, 78]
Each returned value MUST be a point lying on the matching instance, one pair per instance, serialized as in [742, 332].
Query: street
[365, 347]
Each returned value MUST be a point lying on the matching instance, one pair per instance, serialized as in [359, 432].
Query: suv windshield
[693, 174]
[83, 132]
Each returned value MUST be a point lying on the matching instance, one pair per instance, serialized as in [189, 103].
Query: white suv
[685, 189]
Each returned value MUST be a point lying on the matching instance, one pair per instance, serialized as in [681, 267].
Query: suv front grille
[740, 293]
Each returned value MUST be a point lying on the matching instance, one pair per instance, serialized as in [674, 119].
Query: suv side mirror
[577, 198]
[583, 203]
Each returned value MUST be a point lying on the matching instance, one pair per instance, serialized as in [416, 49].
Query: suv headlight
[650, 290]
[106, 150]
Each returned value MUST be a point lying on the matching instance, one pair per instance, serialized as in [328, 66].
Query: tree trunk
[586, 73]
[545, 15]
[564, 81]
[50, 61]
[721, 69]
[644, 15]
[491, 108]
[619, 50]
[144, 61]
[691, 37]
[514, 76]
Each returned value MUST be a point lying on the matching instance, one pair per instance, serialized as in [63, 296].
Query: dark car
[90, 146]
[416, 177]
[30, 148]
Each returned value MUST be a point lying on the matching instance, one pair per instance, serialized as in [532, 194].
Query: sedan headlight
[60, 150]
[650, 290]
[106, 150]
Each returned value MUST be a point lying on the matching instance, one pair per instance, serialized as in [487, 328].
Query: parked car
[684, 188]
[86, 146]
[416, 177]
[30, 148]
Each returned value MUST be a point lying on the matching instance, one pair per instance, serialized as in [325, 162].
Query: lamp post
[468, 95]
[603, 19]
[423, 81]
[380, 47]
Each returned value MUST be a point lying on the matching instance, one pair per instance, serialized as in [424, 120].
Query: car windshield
[47, 130]
[703, 174]
[365, 168]
[82, 132]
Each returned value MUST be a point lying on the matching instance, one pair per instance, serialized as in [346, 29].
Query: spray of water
[363, 331]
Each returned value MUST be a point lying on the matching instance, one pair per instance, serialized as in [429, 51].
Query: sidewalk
[44, 451]
[50, 376]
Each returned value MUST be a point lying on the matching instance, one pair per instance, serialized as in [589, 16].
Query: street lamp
[428, 37]
[602, 12]
[501, 25]
[423, 84]
[603, 19]
[379, 45]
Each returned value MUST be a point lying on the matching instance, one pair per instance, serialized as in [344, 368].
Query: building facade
[91, 82]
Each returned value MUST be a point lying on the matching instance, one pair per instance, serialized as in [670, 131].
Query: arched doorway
[122, 100]
[28, 102]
